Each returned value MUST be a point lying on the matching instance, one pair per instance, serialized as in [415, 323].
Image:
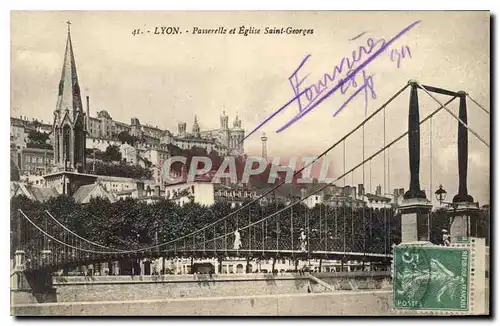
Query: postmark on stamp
[431, 278]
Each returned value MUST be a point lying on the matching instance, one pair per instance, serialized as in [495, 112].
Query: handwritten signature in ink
[399, 54]
[331, 82]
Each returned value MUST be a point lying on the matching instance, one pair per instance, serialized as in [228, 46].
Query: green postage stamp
[431, 278]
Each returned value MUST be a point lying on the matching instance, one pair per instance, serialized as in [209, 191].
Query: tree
[89, 152]
[125, 137]
[147, 162]
[37, 137]
[120, 170]
[112, 153]
[175, 150]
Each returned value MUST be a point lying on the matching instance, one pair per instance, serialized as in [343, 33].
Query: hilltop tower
[182, 129]
[237, 137]
[264, 146]
[224, 121]
[69, 127]
[224, 134]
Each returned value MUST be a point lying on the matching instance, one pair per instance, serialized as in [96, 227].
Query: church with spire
[73, 128]
[69, 131]
[70, 123]
[73, 132]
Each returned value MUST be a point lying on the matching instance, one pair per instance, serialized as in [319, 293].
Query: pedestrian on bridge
[237, 240]
[303, 240]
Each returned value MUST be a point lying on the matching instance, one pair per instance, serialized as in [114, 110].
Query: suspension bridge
[43, 245]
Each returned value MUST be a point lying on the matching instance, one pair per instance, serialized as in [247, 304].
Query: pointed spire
[69, 90]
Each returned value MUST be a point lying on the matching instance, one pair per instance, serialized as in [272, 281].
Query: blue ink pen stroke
[307, 98]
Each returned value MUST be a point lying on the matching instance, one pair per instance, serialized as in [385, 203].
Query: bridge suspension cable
[430, 157]
[454, 115]
[78, 236]
[64, 243]
[298, 171]
[470, 98]
[347, 172]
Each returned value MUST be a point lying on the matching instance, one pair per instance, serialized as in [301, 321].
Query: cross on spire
[69, 89]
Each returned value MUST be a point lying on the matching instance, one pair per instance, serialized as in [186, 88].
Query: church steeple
[69, 128]
[196, 126]
[69, 97]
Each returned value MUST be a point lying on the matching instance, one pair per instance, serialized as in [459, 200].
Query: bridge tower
[463, 212]
[415, 207]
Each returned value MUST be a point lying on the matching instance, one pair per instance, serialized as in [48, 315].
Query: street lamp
[440, 194]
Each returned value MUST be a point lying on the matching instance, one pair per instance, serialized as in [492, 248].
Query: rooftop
[40, 194]
[377, 198]
[82, 194]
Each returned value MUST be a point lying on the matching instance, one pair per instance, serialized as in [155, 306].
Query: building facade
[208, 193]
[35, 161]
[351, 196]
[104, 131]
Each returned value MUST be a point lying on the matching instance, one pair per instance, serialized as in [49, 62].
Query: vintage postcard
[237, 163]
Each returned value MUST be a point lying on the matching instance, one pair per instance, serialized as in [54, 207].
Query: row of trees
[112, 153]
[121, 169]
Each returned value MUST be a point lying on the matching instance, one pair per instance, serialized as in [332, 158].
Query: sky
[164, 79]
